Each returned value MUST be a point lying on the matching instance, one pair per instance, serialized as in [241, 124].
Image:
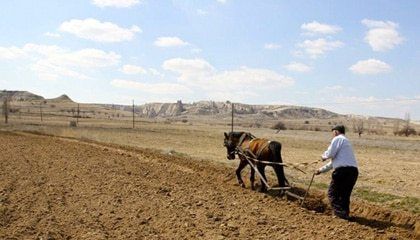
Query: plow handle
[307, 190]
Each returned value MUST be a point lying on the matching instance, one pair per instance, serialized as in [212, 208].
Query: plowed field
[55, 188]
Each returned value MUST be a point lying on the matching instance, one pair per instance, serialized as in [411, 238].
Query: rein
[249, 155]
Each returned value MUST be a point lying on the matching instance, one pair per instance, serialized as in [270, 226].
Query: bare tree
[358, 126]
[396, 127]
[407, 129]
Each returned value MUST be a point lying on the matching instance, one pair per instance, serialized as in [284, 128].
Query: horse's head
[231, 142]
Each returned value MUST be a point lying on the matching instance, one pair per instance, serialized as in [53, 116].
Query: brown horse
[258, 148]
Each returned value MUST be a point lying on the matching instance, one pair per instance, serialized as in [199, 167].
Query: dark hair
[339, 128]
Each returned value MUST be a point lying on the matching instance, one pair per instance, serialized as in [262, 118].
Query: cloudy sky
[360, 57]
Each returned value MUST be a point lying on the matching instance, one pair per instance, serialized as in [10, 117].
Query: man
[345, 172]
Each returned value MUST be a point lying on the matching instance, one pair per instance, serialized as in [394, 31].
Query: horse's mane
[239, 134]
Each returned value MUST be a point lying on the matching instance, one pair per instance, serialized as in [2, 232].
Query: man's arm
[332, 149]
[324, 168]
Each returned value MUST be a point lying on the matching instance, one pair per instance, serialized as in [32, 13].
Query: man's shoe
[342, 216]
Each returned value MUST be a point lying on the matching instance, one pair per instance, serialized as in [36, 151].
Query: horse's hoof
[263, 190]
[242, 185]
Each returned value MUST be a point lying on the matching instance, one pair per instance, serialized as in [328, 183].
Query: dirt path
[52, 188]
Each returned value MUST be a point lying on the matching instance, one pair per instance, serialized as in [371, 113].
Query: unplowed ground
[54, 188]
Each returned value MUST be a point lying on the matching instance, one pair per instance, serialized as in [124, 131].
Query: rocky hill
[62, 98]
[201, 108]
[225, 108]
[19, 95]
[25, 96]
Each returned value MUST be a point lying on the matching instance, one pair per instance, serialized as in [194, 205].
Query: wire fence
[43, 111]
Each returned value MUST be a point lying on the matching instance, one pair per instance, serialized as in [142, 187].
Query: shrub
[407, 131]
[279, 126]
[306, 122]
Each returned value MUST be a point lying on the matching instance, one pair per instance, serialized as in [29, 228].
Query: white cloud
[263, 78]
[395, 106]
[10, 53]
[87, 58]
[42, 50]
[331, 89]
[202, 12]
[53, 35]
[196, 50]
[298, 67]
[47, 70]
[272, 46]
[155, 72]
[222, 1]
[95, 30]
[132, 69]
[189, 69]
[318, 47]
[221, 85]
[319, 28]
[356, 100]
[370, 66]
[154, 88]
[115, 3]
[51, 62]
[170, 42]
[382, 35]
[335, 87]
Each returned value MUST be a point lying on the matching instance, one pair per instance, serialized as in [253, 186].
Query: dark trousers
[342, 183]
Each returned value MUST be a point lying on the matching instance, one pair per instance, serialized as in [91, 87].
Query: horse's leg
[261, 169]
[278, 169]
[280, 175]
[252, 178]
[242, 165]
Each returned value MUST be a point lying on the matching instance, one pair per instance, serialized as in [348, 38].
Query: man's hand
[317, 172]
[323, 159]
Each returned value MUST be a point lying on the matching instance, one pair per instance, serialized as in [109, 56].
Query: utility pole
[5, 110]
[40, 110]
[133, 113]
[233, 109]
[78, 114]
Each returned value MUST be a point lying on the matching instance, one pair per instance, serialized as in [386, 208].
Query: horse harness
[247, 150]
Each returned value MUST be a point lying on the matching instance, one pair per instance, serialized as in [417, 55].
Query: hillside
[225, 108]
[200, 108]
[19, 95]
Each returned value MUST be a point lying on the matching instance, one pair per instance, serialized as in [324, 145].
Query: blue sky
[358, 57]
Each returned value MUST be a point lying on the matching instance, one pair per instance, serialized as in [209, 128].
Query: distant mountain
[201, 108]
[225, 108]
[62, 98]
[19, 95]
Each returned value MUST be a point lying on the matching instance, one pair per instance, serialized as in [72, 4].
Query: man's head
[339, 129]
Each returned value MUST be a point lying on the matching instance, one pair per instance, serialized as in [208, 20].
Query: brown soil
[54, 188]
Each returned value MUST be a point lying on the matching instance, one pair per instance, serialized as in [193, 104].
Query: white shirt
[341, 153]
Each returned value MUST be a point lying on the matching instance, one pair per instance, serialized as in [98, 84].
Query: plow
[252, 160]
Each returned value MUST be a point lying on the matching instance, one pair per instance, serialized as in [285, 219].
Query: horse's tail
[275, 148]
